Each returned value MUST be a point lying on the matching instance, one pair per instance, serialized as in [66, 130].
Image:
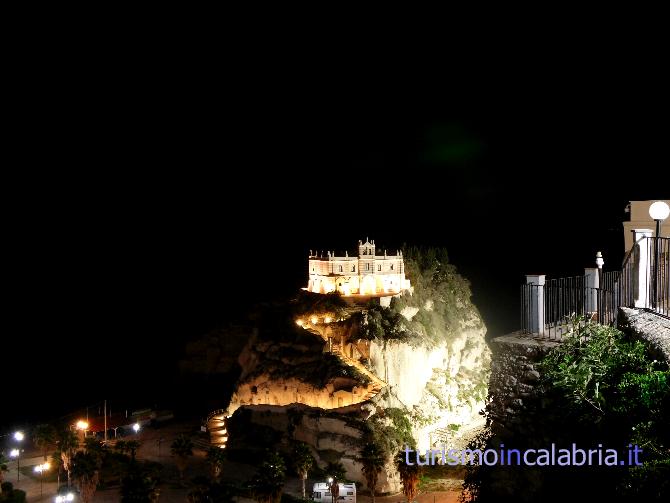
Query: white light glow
[19, 436]
[659, 210]
[14, 453]
[136, 427]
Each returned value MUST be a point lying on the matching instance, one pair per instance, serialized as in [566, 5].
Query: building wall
[367, 274]
[640, 219]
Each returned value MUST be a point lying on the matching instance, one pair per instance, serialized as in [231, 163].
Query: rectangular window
[379, 267]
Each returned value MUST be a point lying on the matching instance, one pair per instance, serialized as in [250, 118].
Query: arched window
[340, 268]
[353, 268]
[391, 266]
[367, 267]
[379, 267]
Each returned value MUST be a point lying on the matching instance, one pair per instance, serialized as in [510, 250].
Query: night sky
[166, 211]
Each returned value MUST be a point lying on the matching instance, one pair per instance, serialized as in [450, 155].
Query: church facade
[366, 274]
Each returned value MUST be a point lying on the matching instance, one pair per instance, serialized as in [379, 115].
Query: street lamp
[82, 426]
[18, 436]
[16, 453]
[658, 211]
[41, 469]
[136, 427]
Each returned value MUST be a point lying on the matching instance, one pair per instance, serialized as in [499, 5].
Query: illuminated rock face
[367, 274]
[263, 390]
[444, 387]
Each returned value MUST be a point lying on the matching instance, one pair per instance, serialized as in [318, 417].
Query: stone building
[366, 274]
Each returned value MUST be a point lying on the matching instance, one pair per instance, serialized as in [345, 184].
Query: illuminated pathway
[216, 421]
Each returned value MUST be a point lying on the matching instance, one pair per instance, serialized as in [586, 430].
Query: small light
[136, 427]
[327, 319]
[330, 480]
[14, 453]
[19, 436]
[659, 210]
[82, 425]
[70, 497]
[299, 322]
[314, 320]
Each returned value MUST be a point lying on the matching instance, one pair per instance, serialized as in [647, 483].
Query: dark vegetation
[441, 295]
[601, 387]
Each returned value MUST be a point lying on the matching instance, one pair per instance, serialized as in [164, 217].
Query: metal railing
[645, 276]
[563, 299]
[643, 282]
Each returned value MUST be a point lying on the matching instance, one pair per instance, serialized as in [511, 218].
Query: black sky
[168, 207]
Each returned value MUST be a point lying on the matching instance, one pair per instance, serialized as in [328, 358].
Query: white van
[321, 493]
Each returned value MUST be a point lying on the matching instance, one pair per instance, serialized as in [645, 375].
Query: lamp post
[41, 469]
[16, 453]
[658, 211]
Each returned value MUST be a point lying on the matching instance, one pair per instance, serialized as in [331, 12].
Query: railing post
[592, 285]
[535, 303]
[642, 267]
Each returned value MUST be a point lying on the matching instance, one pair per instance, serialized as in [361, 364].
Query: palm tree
[409, 476]
[3, 468]
[85, 469]
[182, 449]
[302, 462]
[267, 484]
[68, 443]
[44, 437]
[132, 446]
[138, 485]
[215, 458]
[372, 459]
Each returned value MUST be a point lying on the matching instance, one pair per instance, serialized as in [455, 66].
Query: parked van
[321, 493]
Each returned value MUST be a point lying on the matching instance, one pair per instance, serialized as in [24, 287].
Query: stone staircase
[216, 420]
[216, 427]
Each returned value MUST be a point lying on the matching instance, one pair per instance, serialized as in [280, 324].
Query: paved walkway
[31, 483]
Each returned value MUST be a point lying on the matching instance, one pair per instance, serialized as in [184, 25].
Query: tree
[68, 443]
[302, 462]
[182, 449]
[85, 470]
[372, 459]
[266, 486]
[44, 437]
[132, 446]
[138, 485]
[3, 468]
[215, 458]
[409, 477]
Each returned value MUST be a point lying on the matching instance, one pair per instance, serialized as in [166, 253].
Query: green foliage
[10, 495]
[319, 370]
[372, 459]
[336, 470]
[610, 381]
[182, 447]
[266, 486]
[389, 431]
[206, 491]
[138, 485]
[319, 304]
[597, 366]
[441, 296]
[44, 437]
[410, 476]
[215, 459]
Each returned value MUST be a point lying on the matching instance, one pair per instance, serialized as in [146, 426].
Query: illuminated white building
[367, 274]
